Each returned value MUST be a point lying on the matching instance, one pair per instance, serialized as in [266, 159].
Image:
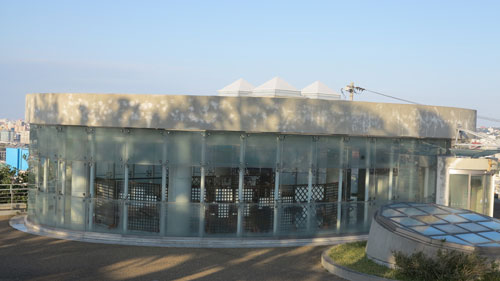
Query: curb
[23, 224]
[11, 212]
[345, 272]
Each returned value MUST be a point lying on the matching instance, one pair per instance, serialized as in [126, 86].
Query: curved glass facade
[211, 183]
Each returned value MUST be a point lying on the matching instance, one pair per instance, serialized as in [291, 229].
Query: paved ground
[28, 257]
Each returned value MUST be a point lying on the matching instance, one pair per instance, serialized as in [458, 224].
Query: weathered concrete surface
[382, 242]
[250, 114]
[29, 257]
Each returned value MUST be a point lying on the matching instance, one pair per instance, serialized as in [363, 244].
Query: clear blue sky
[433, 52]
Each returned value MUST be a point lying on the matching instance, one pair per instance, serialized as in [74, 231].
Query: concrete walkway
[28, 257]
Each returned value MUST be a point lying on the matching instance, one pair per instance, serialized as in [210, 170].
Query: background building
[17, 158]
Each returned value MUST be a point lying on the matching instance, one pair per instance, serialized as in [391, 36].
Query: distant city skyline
[439, 53]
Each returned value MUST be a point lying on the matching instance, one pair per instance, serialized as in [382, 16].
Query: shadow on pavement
[28, 257]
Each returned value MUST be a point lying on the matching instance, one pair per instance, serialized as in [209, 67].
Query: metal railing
[13, 196]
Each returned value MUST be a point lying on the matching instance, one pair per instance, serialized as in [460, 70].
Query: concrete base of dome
[21, 223]
[385, 239]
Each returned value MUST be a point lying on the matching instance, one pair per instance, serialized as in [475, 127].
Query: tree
[7, 175]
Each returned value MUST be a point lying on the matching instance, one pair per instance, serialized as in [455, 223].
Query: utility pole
[351, 89]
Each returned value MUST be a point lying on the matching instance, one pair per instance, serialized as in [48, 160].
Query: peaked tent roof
[276, 84]
[318, 87]
[276, 87]
[237, 88]
[319, 90]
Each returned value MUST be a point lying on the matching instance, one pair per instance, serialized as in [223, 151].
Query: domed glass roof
[444, 223]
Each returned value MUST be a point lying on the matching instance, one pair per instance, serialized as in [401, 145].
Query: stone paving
[28, 257]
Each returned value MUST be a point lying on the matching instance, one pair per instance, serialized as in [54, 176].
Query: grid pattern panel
[106, 209]
[258, 218]
[326, 216]
[293, 217]
[143, 210]
[444, 223]
[221, 218]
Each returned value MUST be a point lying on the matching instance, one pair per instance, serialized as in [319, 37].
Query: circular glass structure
[200, 166]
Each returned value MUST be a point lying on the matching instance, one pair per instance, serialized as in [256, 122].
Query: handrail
[14, 195]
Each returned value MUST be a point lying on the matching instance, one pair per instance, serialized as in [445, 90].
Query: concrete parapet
[249, 114]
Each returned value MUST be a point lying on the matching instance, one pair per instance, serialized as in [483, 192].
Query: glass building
[203, 166]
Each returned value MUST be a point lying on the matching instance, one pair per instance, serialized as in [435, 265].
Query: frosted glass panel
[459, 186]
[146, 146]
[477, 193]
[260, 151]
[357, 153]
[223, 149]
[76, 147]
[110, 145]
[184, 148]
[328, 153]
[48, 141]
[296, 154]
[487, 192]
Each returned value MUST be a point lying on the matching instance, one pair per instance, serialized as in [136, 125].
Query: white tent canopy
[239, 87]
[276, 87]
[318, 90]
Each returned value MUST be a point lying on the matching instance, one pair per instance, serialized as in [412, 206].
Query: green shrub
[449, 265]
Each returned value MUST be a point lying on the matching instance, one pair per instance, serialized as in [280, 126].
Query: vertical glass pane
[52, 175]
[487, 196]
[407, 188]
[328, 152]
[431, 188]
[260, 150]
[184, 148]
[477, 194]
[76, 147]
[110, 145]
[48, 142]
[322, 189]
[34, 140]
[144, 191]
[108, 181]
[145, 146]
[296, 160]
[260, 161]
[379, 184]
[293, 186]
[223, 149]
[384, 152]
[34, 171]
[296, 154]
[145, 173]
[459, 188]
[258, 185]
[221, 184]
[357, 153]
[79, 178]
